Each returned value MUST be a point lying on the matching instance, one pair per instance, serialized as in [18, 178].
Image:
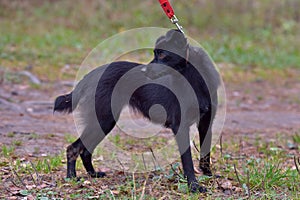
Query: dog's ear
[173, 39]
[177, 38]
[160, 40]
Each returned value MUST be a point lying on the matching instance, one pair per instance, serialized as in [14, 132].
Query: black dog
[181, 78]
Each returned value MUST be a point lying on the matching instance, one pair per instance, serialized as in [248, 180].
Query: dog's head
[170, 54]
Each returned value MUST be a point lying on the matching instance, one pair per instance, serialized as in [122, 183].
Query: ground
[262, 116]
[254, 43]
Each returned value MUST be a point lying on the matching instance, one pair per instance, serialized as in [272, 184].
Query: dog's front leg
[183, 142]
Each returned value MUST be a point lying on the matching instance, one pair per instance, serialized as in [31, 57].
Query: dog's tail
[63, 103]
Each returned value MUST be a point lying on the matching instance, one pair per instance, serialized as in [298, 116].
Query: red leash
[166, 6]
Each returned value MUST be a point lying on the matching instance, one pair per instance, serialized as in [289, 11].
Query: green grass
[296, 138]
[265, 173]
[7, 151]
[17, 143]
[49, 35]
[10, 134]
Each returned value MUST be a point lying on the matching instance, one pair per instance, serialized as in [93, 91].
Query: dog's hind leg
[73, 152]
[85, 145]
[90, 144]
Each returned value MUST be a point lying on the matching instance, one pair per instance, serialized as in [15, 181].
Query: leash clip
[175, 21]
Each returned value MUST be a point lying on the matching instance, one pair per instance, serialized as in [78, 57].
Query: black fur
[186, 61]
[63, 103]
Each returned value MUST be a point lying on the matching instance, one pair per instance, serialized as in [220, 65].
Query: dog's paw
[97, 174]
[206, 171]
[195, 187]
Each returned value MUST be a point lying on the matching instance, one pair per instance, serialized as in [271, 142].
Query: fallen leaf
[30, 187]
[104, 169]
[30, 197]
[93, 197]
[116, 192]
[13, 188]
[226, 185]
[197, 171]
[237, 189]
[86, 182]
[12, 198]
[43, 185]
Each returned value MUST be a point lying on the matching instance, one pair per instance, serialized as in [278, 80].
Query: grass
[252, 170]
[247, 34]
[250, 40]
[17, 143]
[296, 138]
[7, 151]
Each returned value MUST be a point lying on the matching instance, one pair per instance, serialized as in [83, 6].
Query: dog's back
[85, 91]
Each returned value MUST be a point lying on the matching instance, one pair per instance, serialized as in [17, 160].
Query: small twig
[180, 170]
[175, 171]
[156, 182]
[221, 145]
[155, 160]
[121, 165]
[297, 163]
[35, 183]
[196, 146]
[164, 197]
[12, 181]
[21, 181]
[218, 183]
[237, 176]
[264, 180]
[112, 194]
[248, 184]
[144, 188]
[53, 182]
[134, 187]
[8, 190]
[37, 174]
[240, 146]
[144, 161]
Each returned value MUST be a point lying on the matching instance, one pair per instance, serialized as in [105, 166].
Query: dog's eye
[161, 55]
